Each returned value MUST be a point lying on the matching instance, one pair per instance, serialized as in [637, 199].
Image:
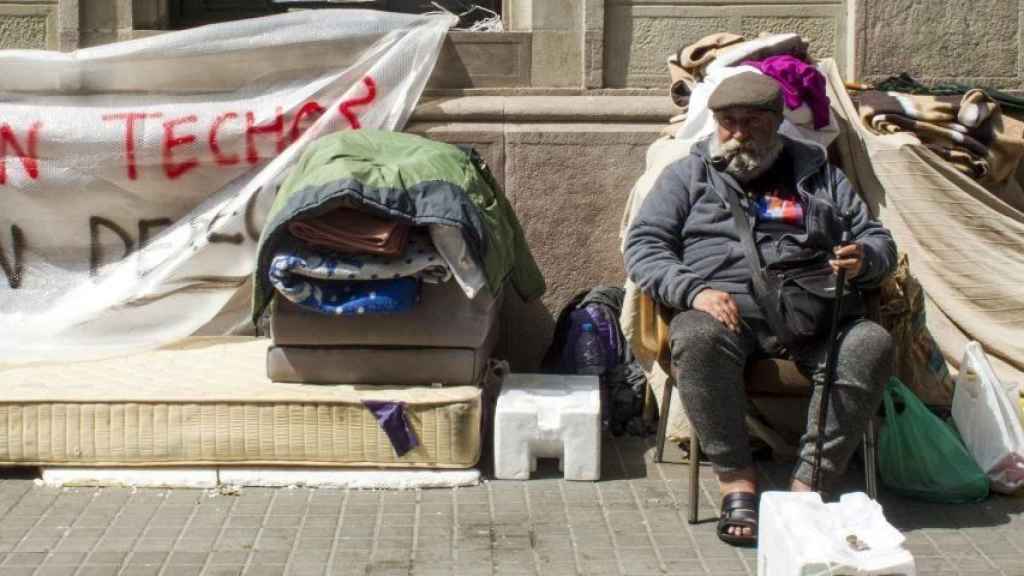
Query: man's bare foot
[744, 480]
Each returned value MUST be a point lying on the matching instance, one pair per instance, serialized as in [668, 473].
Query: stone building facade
[565, 102]
[597, 44]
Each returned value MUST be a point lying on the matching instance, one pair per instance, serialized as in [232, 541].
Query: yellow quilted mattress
[209, 402]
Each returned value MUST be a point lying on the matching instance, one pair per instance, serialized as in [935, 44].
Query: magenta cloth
[800, 83]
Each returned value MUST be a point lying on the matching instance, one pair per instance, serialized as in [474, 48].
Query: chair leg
[694, 475]
[871, 460]
[666, 399]
[650, 411]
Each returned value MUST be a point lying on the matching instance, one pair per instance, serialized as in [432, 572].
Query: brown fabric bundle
[353, 232]
[969, 132]
[686, 67]
[933, 109]
[1005, 138]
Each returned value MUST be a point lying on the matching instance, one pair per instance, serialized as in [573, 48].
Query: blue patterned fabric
[308, 279]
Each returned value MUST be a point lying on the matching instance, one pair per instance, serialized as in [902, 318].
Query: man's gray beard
[748, 160]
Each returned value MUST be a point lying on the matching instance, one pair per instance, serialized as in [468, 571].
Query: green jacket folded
[405, 177]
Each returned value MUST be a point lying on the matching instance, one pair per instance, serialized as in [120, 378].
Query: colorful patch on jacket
[781, 209]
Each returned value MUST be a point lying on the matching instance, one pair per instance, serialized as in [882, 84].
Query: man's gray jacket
[684, 238]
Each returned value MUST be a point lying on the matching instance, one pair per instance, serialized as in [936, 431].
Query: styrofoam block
[377, 479]
[134, 477]
[548, 416]
[799, 535]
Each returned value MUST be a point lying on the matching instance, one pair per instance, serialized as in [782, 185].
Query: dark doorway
[190, 13]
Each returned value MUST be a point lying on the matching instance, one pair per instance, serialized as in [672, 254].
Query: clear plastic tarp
[135, 177]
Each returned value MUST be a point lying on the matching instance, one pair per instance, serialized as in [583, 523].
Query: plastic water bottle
[589, 354]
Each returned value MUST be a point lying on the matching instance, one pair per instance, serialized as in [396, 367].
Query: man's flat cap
[747, 90]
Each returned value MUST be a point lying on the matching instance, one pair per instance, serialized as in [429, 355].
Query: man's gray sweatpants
[708, 361]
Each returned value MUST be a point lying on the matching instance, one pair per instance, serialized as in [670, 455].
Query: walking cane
[830, 363]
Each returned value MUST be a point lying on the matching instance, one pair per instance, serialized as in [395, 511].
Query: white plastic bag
[987, 414]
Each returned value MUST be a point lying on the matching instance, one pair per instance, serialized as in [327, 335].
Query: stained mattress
[209, 402]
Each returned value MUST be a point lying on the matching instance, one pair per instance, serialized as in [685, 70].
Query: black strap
[757, 275]
[745, 233]
[763, 296]
[739, 501]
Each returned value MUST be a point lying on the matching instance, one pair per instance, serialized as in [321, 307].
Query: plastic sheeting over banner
[135, 176]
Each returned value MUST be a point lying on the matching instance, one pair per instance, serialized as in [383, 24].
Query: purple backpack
[607, 327]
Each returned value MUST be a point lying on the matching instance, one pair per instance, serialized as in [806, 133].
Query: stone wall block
[22, 31]
[571, 184]
[822, 33]
[593, 15]
[105, 21]
[977, 42]
[640, 36]
[593, 43]
[151, 14]
[68, 40]
[68, 18]
[470, 60]
[556, 15]
[638, 42]
[557, 59]
[32, 26]
[99, 15]
[952, 38]
[885, 34]
[518, 16]
[593, 58]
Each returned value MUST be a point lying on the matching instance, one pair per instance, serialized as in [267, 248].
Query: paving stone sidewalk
[632, 522]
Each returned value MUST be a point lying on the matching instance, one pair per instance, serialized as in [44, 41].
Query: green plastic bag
[920, 457]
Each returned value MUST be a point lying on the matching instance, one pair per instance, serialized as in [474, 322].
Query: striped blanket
[970, 131]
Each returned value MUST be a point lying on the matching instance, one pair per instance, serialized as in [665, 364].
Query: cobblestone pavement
[632, 522]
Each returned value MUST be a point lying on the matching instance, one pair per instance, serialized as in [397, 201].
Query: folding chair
[765, 378]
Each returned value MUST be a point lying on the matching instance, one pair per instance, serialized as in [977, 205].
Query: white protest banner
[134, 177]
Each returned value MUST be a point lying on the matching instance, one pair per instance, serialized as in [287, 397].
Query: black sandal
[739, 510]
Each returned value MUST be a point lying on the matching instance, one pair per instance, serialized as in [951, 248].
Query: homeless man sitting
[684, 250]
